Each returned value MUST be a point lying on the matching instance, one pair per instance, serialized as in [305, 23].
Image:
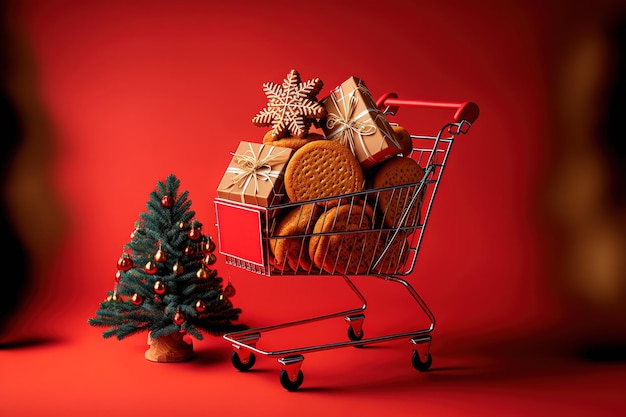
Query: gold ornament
[160, 255]
[202, 273]
[194, 233]
[210, 259]
[150, 267]
[114, 297]
[208, 246]
[178, 268]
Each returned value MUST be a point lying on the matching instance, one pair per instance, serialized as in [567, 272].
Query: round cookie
[393, 172]
[404, 139]
[275, 266]
[322, 168]
[350, 253]
[397, 254]
[299, 220]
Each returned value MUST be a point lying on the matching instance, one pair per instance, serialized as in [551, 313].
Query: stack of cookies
[347, 193]
[342, 226]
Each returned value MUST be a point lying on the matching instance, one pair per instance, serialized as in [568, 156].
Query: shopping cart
[383, 252]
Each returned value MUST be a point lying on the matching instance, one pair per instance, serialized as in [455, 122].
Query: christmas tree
[164, 282]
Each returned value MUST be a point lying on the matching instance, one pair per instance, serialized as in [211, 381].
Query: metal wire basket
[358, 240]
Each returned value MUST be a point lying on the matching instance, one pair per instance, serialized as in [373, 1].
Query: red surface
[138, 90]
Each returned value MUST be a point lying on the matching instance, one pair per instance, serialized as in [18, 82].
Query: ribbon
[384, 126]
[349, 127]
[253, 168]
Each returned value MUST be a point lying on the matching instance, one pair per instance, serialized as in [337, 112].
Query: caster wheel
[288, 384]
[418, 364]
[352, 335]
[239, 365]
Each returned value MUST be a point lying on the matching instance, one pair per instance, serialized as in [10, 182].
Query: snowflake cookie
[291, 106]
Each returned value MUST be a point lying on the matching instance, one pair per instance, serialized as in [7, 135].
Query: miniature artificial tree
[164, 284]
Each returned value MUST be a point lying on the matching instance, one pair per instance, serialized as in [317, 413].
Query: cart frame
[431, 151]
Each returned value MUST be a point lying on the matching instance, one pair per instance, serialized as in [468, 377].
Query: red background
[137, 90]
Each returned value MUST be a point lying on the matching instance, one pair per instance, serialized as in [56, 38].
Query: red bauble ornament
[194, 233]
[118, 276]
[179, 318]
[160, 255]
[210, 259]
[189, 250]
[150, 267]
[159, 287]
[124, 263]
[200, 306]
[136, 299]
[202, 273]
[178, 268]
[229, 291]
[167, 201]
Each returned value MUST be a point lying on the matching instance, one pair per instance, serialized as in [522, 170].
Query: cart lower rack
[360, 242]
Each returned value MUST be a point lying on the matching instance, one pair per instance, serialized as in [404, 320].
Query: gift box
[354, 120]
[255, 174]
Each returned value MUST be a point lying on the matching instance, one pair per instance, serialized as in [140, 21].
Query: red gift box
[354, 121]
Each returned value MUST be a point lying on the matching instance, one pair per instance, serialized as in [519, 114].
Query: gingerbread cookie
[393, 203]
[396, 254]
[404, 139]
[277, 267]
[320, 169]
[299, 220]
[291, 106]
[349, 253]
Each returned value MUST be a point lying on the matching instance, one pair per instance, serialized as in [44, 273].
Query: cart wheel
[418, 364]
[288, 384]
[239, 365]
[352, 335]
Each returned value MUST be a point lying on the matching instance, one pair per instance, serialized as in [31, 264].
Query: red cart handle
[467, 111]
